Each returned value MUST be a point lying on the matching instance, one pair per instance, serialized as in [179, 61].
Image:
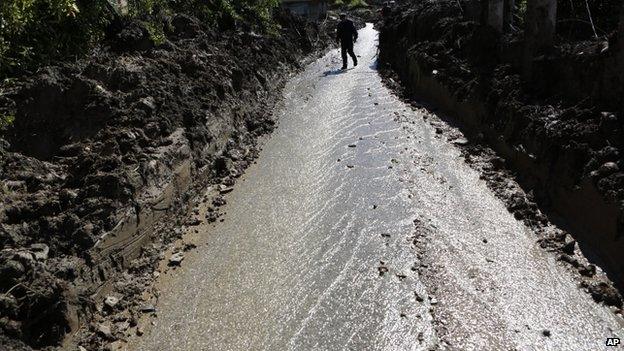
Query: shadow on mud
[335, 72]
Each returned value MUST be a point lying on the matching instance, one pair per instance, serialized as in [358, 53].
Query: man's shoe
[355, 63]
[344, 67]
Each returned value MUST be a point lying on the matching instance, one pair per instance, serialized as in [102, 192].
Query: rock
[8, 305]
[105, 331]
[111, 301]
[218, 201]
[460, 141]
[192, 222]
[15, 184]
[569, 247]
[588, 270]
[25, 257]
[176, 259]
[546, 333]
[40, 251]
[149, 103]
[225, 189]
[122, 326]
[608, 168]
[352, 145]
[604, 292]
[418, 297]
[236, 155]
[382, 270]
[116, 346]
[68, 194]
[139, 331]
[80, 348]
[189, 247]
[147, 309]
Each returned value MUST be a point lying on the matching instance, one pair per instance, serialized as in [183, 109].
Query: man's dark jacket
[346, 32]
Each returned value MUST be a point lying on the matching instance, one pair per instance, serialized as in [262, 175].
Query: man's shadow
[335, 72]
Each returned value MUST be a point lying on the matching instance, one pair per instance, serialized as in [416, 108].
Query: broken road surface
[316, 251]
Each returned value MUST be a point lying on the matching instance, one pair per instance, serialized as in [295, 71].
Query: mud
[361, 226]
[561, 133]
[105, 157]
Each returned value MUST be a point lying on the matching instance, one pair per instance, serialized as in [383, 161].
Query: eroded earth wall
[562, 132]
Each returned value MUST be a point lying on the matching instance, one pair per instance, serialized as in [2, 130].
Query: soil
[560, 133]
[106, 158]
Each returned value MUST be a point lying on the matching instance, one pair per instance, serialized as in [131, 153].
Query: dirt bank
[106, 150]
[562, 132]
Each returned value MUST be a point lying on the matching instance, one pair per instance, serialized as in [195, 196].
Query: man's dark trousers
[347, 48]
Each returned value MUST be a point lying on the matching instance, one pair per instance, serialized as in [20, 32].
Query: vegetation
[36, 32]
[6, 121]
[350, 3]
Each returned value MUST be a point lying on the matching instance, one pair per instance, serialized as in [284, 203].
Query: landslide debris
[100, 140]
[562, 131]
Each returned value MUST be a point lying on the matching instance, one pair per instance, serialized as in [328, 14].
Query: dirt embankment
[562, 132]
[105, 149]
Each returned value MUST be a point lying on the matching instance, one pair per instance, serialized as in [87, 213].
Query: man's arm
[354, 32]
[338, 32]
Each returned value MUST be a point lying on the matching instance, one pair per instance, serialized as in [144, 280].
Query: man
[346, 34]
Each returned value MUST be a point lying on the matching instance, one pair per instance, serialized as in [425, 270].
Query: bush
[6, 121]
[357, 4]
[36, 32]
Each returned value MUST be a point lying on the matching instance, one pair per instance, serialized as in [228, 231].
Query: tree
[541, 16]
[495, 14]
[508, 13]
[539, 31]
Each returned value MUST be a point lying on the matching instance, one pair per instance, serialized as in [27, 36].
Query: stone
[460, 141]
[176, 259]
[608, 168]
[105, 330]
[569, 247]
[111, 301]
[147, 308]
[40, 251]
[223, 189]
[149, 103]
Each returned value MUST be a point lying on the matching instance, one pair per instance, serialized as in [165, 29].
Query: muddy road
[362, 228]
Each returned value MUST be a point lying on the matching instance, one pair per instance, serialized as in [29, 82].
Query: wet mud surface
[362, 225]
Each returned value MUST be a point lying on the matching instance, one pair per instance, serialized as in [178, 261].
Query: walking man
[346, 34]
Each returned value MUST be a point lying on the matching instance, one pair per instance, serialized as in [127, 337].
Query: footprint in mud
[382, 269]
[386, 238]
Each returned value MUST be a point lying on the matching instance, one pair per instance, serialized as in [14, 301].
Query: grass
[6, 121]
